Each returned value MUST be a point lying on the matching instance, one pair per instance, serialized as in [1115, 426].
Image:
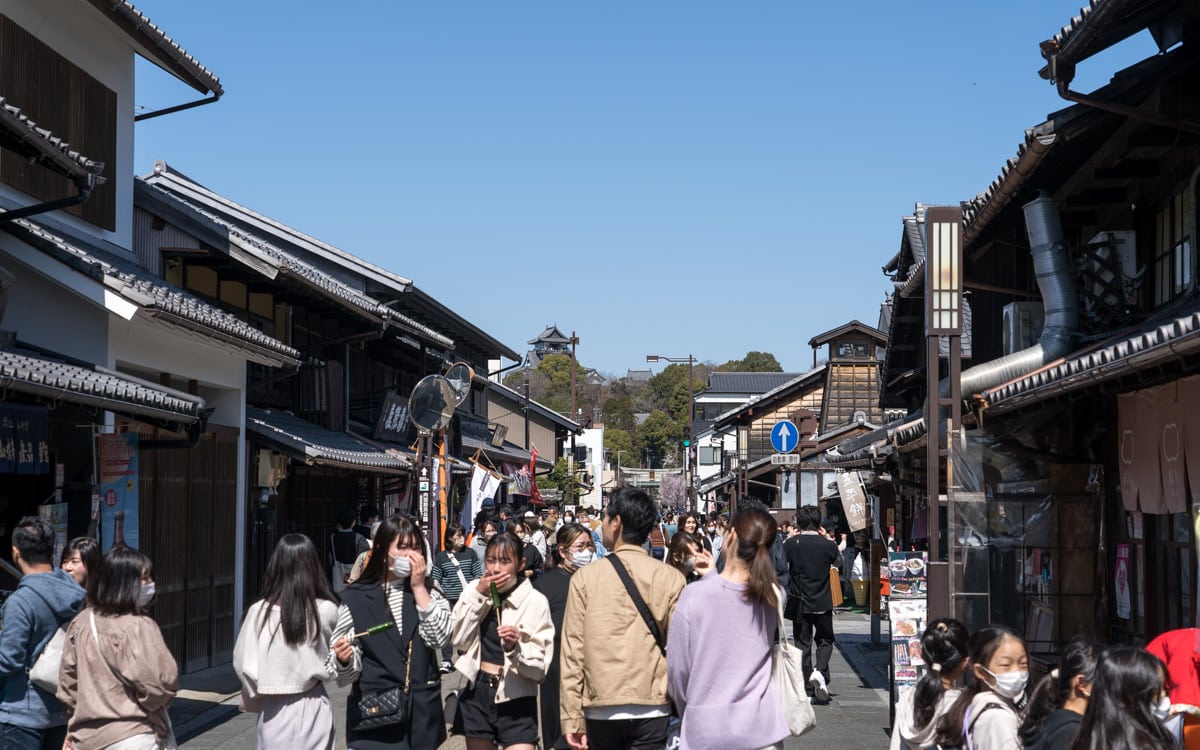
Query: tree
[560, 479]
[619, 444]
[753, 362]
[659, 434]
[617, 412]
[672, 491]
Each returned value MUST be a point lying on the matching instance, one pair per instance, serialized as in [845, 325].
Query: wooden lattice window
[59, 96]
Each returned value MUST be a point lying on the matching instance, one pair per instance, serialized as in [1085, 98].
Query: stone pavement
[206, 715]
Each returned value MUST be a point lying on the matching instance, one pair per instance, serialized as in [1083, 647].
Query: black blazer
[809, 558]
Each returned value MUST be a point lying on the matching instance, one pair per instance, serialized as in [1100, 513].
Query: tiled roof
[44, 147]
[978, 211]
[812, 376]
[1144, 347]
[51, 379]
[319, 446]
[289, 263]
[853, 326]
[747, 382]
[568, 424]
[157, 298]
[550, 336]
[164, 49]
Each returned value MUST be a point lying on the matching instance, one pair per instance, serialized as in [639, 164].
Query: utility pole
[574, 411]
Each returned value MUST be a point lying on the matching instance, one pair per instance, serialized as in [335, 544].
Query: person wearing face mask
[1058, 702]
[117, 676]
[453, 570]
[486, 526]
[506, 651]
[1129, 704]
[575, 549]
[394, 592]
[986, 715]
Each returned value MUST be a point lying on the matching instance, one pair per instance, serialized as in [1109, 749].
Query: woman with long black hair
[1059, 701]
[985, 716]
[1128, 705]
[944, 649]
[282, 651]
[391, 626]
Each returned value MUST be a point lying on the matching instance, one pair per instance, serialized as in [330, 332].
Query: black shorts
[513, 722]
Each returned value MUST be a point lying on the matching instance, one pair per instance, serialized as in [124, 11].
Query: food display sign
[907, 613]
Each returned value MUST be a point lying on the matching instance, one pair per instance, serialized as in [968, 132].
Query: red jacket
[1180, 651]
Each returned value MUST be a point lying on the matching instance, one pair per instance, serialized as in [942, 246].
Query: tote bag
[787, 675]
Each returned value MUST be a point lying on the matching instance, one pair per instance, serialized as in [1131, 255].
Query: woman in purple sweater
[719, 647]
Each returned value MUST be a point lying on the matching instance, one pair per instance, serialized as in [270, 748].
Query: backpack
[968, 728]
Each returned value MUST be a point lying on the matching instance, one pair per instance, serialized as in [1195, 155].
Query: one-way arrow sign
[784, 436]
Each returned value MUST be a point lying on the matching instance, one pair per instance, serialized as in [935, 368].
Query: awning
[318, 446]
[508, 452]
[47, 378]
[1156, 342]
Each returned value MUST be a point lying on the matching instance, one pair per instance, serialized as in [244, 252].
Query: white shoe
[817, 683]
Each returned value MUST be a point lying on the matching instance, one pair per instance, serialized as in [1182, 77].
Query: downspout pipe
[85, 192]
[1052, 268]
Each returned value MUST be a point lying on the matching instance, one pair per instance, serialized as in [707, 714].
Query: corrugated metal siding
[148, 242]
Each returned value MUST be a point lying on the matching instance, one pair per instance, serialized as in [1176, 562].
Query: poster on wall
[55, 514]
[118, 489]
[907, 614]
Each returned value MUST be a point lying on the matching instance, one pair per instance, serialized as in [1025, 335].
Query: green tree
[660, 434]
[753, 362]
[560, 479]
[617, 412]
[619, 444]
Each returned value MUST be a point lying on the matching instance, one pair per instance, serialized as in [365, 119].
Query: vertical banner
[854, 499]
[1121, 581]
[118, 489]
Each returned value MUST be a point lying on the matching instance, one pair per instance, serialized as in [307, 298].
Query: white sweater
[266, 665]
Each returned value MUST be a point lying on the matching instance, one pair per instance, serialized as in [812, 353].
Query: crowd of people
[976, 695]
[556, 649]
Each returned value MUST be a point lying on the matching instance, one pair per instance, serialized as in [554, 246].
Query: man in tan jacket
[614, 673]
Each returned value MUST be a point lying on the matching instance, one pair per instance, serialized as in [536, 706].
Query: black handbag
[381, 708]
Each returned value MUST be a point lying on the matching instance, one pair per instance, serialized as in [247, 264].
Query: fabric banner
[535, 497]
[1127, 445]
[854, 499]
[24, 439]
[1154, 425]
[118, 489]
[483, 487]
[1188, 407]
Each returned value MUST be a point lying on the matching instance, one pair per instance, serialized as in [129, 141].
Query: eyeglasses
[582, 546]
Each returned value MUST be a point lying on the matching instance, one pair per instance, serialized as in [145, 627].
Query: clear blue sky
[671, 177]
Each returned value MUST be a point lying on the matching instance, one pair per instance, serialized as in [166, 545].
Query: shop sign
[24, 439]
[854, 500]
[118, 489]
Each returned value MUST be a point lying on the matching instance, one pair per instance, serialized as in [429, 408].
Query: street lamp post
[691, 434]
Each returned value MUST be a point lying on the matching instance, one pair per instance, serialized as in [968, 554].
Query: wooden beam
[1129, 169]
[980, 286]
[1095, 196]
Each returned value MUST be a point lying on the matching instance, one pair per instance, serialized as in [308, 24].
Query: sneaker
[446, 667]
[817, 683]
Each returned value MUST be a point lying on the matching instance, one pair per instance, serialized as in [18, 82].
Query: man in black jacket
[809, 602]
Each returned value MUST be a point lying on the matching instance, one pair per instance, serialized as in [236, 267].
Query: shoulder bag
[787, 676]
[381, 708]
[164, 743]
[639, 603]
[44, 672]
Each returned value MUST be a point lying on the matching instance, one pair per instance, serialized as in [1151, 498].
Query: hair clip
[936, 667]
[1054, 673]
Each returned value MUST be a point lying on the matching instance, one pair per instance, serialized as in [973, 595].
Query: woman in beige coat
[506, 651]
[117, 676]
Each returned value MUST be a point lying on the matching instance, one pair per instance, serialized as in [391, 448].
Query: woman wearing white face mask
[1128, 705]
[986, 715]
[413, 618]
[507, 642]
[573, 550]
[117, 676]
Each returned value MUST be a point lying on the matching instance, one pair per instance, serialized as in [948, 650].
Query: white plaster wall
[78, 32]
[593, 438]
[46, 315]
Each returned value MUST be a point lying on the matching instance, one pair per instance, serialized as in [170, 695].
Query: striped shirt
[445, 575]
[433, 626]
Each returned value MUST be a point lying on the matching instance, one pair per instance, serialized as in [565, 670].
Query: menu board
[907, 613]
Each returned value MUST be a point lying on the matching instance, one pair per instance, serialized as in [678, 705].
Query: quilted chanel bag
[382, 708]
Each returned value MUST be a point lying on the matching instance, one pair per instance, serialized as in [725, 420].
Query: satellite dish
[460, 376]
[432, 402]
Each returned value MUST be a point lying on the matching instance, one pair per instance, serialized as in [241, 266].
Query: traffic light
[687, 438]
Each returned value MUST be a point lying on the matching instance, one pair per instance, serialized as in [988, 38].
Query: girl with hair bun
[944, 649]
[986, 714]
[719, 645]
[1058, 702]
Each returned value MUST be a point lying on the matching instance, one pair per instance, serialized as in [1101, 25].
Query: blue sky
[666, 177]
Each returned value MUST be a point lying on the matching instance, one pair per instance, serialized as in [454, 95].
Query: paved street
[855, 719]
